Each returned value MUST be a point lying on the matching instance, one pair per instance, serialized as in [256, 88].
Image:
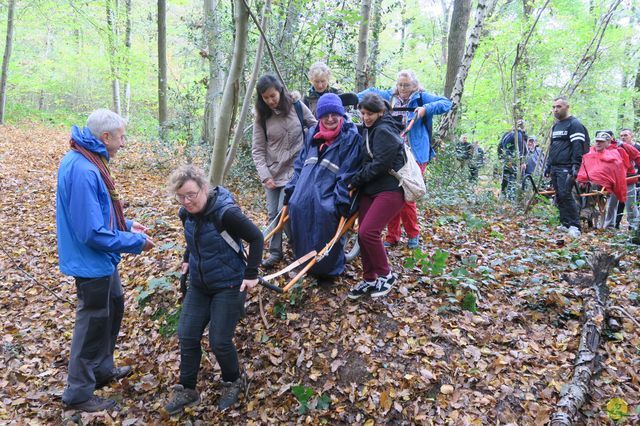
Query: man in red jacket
[612, 203]
[632, 150]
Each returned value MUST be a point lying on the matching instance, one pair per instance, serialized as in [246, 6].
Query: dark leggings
[221, 309]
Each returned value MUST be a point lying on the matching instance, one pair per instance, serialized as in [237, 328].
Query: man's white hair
[104, 120]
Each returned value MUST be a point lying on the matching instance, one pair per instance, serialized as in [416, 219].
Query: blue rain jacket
[89, 243]
[419, 135]
[319, 184]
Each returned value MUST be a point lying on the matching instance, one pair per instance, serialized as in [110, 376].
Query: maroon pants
[409, 218]
[375, 213]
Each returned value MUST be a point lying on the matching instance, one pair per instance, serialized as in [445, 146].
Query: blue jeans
[221, 309]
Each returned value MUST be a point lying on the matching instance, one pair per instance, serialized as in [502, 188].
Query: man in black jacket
[569, 141]
[511, 153]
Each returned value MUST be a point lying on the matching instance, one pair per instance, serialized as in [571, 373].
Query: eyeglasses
[187, 197]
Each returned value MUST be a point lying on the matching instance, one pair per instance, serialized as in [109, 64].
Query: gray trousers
[275, 199]
[98, 317]
[611, 212]
[631, 207]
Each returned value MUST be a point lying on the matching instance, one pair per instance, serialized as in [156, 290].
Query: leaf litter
[416, 356]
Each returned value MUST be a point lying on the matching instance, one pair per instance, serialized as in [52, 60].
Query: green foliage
[303, 394]
[280, 310]
[473, 223]
[469, 302]
[169, 325]
[433, 265]
[154, 286]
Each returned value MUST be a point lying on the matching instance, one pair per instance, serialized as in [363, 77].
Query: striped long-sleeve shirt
[569, 141]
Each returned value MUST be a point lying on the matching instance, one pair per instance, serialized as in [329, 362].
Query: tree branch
[266, 43]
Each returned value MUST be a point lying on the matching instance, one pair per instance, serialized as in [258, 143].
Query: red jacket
[634, 157]
[605, 168]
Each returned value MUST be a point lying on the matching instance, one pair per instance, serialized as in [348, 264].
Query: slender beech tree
[126, 65]
[376, 27]
[112, 27]
[229, 101]
[363, 35]
[456, 41]
[448, 123]
[162, 69]
[6, 57]
[216, 61]
[248, 96]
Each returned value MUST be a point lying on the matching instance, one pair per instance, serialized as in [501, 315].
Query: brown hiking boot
[116, 374]
[231, 391]
[181, 397]
[93, 404]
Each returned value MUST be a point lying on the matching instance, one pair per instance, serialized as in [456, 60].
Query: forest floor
[413, 357]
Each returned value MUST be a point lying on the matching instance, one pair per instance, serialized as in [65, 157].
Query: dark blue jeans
[567, 207]
[221, 309]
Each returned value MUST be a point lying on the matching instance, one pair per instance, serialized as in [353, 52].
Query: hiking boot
[573, 232]
[93, 404]
[180, 398]
[116, 374]
[384, 285]
[387, 244]
[231, 391]
[361, 289]
[413, 242]
[271, 261]
[562, 228]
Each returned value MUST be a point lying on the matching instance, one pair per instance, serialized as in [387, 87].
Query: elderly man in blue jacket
[409, 100]
[92, 233]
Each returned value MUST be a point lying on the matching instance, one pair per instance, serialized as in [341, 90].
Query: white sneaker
[562, 228]
[384, 285]
[573, 232]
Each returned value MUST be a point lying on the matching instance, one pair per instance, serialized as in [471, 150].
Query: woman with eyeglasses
[318, 193]
[408, 101]
[278, 135]
[214, 228]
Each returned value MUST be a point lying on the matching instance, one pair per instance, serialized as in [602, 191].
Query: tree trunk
[403, 34]
[448, 123]
[587, 362]
[363, 35]
[127, 61]
[162, 69]
[47, 51]
[215, 57]
[457, 39]
[376, 28]
[444, 30]
[6, 57]
[230, 95]
[246, 103]
[636, 101]
[290, 29]
[112, 28]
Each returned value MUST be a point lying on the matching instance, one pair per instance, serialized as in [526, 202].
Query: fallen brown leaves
[412, 357]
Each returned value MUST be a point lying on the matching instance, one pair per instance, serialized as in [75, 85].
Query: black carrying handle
[349, 99]
[266, 284]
